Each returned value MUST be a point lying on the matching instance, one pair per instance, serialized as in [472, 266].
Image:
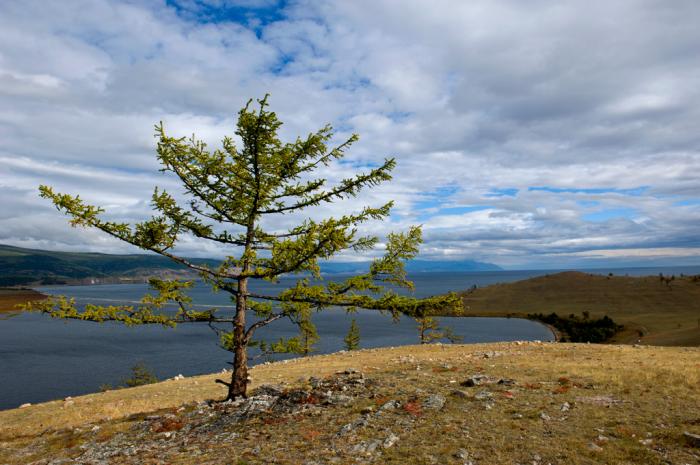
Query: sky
[542, 134]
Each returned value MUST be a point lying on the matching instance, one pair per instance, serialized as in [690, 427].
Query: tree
[352, 339]
[233, 194]
[429, 331]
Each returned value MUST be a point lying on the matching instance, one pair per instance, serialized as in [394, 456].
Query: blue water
[43, 359]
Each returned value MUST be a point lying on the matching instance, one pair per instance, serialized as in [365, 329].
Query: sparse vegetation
[576, 404]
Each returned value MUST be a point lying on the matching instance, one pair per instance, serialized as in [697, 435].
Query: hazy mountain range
[19, 266]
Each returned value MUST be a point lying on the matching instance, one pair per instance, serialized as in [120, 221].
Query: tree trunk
[239, 377]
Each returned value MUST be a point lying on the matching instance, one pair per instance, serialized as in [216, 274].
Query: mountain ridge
[22, 266]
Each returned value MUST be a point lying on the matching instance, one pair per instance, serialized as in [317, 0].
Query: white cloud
[471, 97]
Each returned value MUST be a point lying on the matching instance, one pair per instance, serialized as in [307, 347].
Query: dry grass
[658, 387]
[665, 314]
[9, 298]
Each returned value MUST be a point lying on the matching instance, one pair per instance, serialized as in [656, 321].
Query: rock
[693, 440]
[475, 380]
[338, 399]
[367, 410]
[506, 382]
[388, 406]
[256, 405]
[517, 416]
[350, 427]
[565, 407]
[25, 405]
[461, 454]
[483, 395]
[545, 417]
[390, 441]
[594, 447]
[434, 402]
[270, 390]
[459, 393]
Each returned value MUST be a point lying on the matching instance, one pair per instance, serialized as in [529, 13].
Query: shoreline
[10, 297]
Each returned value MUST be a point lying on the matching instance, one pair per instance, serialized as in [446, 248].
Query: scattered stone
[390, 441]
[462, 454]
[545, 417]
[367, 410]
[476, 380]
[388, 406]
[565, 407]
[506, 382]
[693, 440]
[483, 395]
[517, 416]
[434, 402]
[256, 405]
[459, 393]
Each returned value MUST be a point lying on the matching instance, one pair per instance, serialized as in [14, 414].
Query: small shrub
[140, 376]
[412, 407]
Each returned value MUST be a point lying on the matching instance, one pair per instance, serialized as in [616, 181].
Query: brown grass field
[665, 314]
[628, 405]
[9, 298]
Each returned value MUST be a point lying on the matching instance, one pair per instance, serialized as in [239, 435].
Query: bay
[43, 359]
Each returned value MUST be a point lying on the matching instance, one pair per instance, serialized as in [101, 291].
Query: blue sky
[554, 135]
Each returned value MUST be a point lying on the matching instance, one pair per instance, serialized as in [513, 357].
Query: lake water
[43, 359]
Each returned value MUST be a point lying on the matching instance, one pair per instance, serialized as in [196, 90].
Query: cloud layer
[549, 134]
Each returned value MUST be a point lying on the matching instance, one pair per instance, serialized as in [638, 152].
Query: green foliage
[140, 375]
[583, 329]
[352, 339]
[429, 330]
[232, 192]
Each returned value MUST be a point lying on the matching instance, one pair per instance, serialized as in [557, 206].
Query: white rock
[25, 405]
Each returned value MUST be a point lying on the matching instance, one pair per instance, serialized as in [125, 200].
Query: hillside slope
[19, 266]
[663, 313]
[527, 403]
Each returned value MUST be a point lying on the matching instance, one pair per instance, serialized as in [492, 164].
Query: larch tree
[232, 194]
[352, 339]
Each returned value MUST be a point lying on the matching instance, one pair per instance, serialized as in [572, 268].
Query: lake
[43, 359]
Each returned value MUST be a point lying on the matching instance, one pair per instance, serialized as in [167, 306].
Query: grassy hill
[534, 403]
[655, 311]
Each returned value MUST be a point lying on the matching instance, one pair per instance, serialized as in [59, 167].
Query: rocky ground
[451, 407]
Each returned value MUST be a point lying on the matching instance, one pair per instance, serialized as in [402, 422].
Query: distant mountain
[415, 266]
[19, 266]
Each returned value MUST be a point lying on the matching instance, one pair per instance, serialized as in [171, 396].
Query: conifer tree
[352, 339]
[233, 193]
